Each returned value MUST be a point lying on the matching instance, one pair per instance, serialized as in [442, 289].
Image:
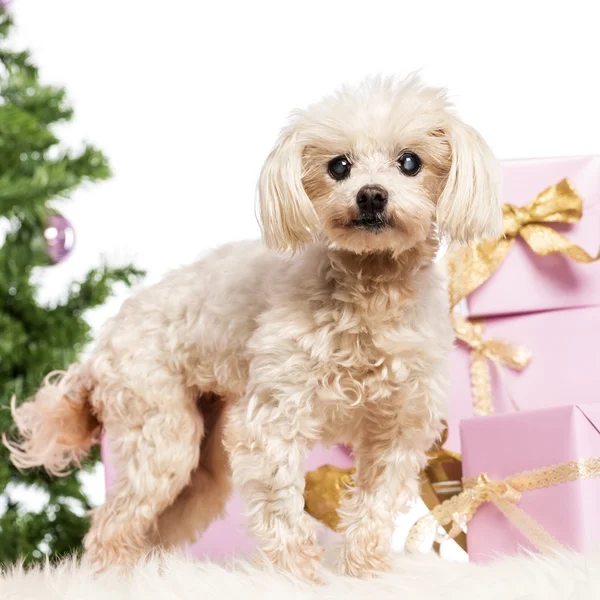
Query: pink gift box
[228, 537]
[504, 445]
[565, 364]
[526, 282]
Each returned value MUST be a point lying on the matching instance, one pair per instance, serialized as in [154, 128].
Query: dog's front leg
[389, 458]
[267, 440]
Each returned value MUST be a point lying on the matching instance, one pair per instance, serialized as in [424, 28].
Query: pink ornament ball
[60, 238]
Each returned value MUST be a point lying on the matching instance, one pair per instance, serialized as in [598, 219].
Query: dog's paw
[365, 556]
[115, 548]
[302, 560]
[307, 568]
[310, 564]
[364, 569]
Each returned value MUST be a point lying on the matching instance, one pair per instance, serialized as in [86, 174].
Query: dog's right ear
[287, 217]
[470, 208]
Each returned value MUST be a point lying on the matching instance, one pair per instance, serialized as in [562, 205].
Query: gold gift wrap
[441, 480]
[326, 486]
[324, 491]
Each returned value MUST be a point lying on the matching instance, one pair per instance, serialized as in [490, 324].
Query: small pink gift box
[565, 364]
[504, 445]
[228, 537]
[525, 282]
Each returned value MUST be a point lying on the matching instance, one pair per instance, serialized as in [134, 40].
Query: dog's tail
[57, 427]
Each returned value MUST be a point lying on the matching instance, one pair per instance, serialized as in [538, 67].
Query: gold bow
[470, 266]
[505, 495]
[498, 352]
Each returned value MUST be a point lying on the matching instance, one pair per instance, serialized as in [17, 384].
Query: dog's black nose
[371, 199]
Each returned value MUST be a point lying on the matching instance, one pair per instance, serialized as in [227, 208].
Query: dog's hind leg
[204, 499]
[155, 442]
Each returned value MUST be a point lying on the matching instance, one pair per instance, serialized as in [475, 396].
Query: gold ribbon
[470, 266]
[499, 353]
[505, 495]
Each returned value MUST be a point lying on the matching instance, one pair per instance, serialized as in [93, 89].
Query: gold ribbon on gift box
[470, 266]
[505, 494]
[483, 352]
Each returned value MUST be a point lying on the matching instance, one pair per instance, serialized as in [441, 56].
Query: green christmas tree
[35, 172]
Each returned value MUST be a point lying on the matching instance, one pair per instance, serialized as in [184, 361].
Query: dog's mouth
[373, 223]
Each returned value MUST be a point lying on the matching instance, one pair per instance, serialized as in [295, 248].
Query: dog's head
[379, 167]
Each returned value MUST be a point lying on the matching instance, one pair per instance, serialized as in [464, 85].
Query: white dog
[235, 366]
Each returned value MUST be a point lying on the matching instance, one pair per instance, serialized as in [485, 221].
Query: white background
[186, 98]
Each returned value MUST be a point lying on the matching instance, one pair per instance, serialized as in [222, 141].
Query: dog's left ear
[287, 217]
[469, 206]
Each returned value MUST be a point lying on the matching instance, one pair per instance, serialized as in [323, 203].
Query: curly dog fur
[232, 368]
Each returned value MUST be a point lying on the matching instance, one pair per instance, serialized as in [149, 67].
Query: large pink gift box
[565, 365]
[504, 445]
[228, 537]
[525, 282]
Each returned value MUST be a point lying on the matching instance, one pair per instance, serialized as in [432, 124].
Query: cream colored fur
[243, 360]
[568, 577]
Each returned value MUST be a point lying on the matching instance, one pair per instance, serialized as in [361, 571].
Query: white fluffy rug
[416, 577]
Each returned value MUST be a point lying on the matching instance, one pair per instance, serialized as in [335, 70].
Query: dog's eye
[339, 167]
[410, 163]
